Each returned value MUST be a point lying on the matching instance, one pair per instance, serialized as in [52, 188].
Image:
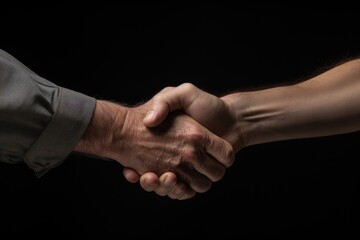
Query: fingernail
[149, 116]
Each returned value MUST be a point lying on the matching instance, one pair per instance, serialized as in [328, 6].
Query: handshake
[183, 139]
[176, 144]
[180, 141]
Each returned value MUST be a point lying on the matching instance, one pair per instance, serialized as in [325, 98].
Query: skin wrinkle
[157, 161]
[241, 136]
[169, 156]
[261, 113]
[190, 154]
[176, 161]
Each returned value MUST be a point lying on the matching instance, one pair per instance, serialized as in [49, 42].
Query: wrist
[99, 134]
[266, 115]
[240, 130]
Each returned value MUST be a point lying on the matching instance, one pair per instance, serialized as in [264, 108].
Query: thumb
[159, 112]
[168, 100]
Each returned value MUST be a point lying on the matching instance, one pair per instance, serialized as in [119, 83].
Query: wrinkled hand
[179, 145]
[207, 109]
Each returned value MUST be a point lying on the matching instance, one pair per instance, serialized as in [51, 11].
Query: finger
[159, 112]
[210, 167]
[166, 101]
[160, 109]
[168, 182]
[193, 179]
[168, 186]
[181, 192]
[216, 156]
[131, 175]
[149, 181]
[219, 149]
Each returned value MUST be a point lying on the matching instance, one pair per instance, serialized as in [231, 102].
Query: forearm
[327, 104]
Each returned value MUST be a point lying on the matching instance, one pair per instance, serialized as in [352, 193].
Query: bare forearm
[327, 104]
[98, 137]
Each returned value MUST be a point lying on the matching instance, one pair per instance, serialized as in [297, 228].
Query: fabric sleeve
[40, 122]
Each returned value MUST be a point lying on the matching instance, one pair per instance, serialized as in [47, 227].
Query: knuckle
[190, 154]
[188, 86]
[158, 97]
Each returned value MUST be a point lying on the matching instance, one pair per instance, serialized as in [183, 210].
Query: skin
[327, 104]
[207, 109]
[179, 145]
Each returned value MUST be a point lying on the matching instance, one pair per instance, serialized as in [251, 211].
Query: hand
[165, 185]
[179, 145]
[209, 110]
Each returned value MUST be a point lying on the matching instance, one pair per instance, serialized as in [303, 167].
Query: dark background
[128, 53]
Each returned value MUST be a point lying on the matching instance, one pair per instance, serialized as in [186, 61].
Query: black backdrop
[128, 53]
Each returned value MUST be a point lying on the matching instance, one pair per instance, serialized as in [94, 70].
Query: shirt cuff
[57, 141]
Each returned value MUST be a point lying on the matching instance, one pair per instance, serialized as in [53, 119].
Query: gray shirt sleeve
[40, 122]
